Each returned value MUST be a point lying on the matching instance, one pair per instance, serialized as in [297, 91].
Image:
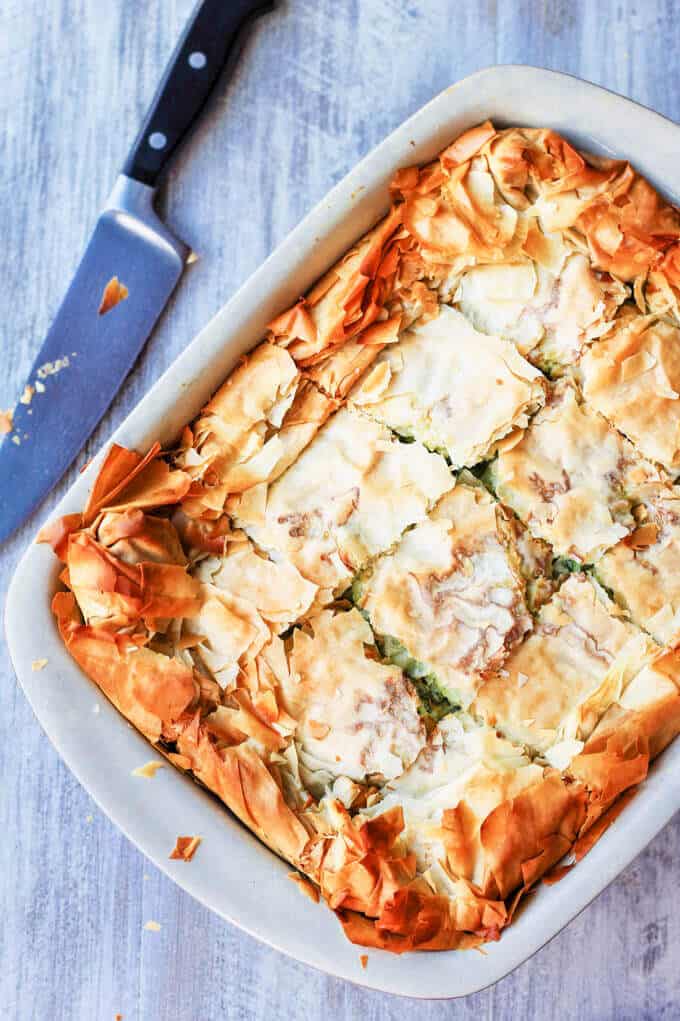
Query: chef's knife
[132, 256]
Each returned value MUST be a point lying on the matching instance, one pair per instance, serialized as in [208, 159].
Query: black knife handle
[208, 45]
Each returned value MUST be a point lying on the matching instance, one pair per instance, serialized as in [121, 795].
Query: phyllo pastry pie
[403, 595]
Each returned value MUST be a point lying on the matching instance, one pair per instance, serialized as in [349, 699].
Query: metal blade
[86, 356]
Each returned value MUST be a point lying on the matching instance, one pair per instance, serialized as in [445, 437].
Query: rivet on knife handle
[209, 43]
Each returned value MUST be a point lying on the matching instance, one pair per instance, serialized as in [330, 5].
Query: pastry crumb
[149, 769]
[6, 421]
[38, 664]
[363, 958]
[185, 848]
[51, 369]
[152, 926]
[114, 292]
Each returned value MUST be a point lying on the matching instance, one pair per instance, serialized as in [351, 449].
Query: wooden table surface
[320, 82]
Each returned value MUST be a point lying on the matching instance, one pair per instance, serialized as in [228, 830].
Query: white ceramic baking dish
[234, 874]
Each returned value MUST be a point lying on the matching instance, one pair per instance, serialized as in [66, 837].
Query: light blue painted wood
[321, 81]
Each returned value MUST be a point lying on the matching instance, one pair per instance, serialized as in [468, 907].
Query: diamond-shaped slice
[637, 726]
[275, 588]
[550, 306]
[254, 426]
[632, 377]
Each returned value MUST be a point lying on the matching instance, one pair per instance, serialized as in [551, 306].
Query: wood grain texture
[320, 82]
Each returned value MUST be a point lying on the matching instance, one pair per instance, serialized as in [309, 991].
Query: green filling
[548, 366]
[565, 565]
[433, 700]
[485, 471]
[480, 469]
[407, 437]
[592, 570]
[355, 592]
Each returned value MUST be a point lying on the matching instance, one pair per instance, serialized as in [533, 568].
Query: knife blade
[90, 349]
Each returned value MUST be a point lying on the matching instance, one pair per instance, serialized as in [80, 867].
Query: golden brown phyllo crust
[402, 595]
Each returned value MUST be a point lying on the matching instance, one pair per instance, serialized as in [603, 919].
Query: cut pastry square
[347, 498]
[357, 719]
[632, 377]
[643, 570]
[476, 808]
[572, 478]
[452, 388]
[555, 686]
[256, 425]
[551, 305]
[449, 601]
[648, 707]
[637, 726]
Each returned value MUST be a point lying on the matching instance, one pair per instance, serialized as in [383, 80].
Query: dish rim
[78, 734]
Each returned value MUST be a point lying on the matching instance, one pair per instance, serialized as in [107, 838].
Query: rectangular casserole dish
[234, 868]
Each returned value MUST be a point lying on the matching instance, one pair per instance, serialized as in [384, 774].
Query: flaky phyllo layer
[404, 595]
